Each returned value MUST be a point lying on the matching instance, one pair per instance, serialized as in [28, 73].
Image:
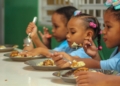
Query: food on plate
[17, 54]
[14, 53]
[77, 64]
[73, 71]
[2, 47]
[46, 63]
[80, 69]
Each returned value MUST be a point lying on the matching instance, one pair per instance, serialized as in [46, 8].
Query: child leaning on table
[111, 36]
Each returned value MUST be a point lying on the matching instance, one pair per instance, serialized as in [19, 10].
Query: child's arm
[46, 37]
[96, 79]
[38, 51]
[91, 49]
[33, 30]
[62, 63]
[28, 48]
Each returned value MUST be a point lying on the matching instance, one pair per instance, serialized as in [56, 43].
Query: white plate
[23, 58]
[7, 49]
[71, 79]
[34, 63]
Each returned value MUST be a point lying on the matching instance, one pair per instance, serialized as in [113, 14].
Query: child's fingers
[86, 43]
[41, 34]
[91, 41]
[56, 58]
[82, 85]
[60, 62]
[81, 73]
[30, 27]
[45, 30]
[83, 81]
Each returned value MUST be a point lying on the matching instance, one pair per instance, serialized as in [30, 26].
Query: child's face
[59, 27]
[76, 31]
[111, 32]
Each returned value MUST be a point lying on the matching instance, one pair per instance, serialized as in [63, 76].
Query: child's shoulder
[115, 53]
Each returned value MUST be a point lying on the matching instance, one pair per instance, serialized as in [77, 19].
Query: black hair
[66, 11]
[87, 19]
[115, 13]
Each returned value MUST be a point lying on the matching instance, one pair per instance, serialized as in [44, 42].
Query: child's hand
[33, 52]
[59, 59]
[28, 48]
[85, 78]
[90, 47]
[46, 37]
[32, 29]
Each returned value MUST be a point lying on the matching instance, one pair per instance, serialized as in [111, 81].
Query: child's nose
[67, 36]
[53, 30]
[103, 31]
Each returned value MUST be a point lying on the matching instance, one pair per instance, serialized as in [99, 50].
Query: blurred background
[15, 15]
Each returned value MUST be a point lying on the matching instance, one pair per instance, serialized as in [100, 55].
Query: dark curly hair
[66, 11]
[115, 13]
[87, 19]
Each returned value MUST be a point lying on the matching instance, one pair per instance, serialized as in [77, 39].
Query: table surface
[14, 73]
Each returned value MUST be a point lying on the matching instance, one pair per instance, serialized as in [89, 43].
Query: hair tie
[92, 24]
[77, 12]
[99, 47]
[115, 3]
[100, 32]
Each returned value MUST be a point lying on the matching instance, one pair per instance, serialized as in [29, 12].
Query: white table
[14, 73]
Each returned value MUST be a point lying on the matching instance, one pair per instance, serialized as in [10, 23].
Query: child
[111, 36]
[59, 20]
[81, 27]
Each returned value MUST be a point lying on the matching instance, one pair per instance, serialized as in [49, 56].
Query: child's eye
[55, 26]
[72, 32]
[107, 26]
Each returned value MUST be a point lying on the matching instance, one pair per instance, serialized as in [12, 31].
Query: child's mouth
[105, 39]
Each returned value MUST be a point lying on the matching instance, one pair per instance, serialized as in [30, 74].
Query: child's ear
[89, 34]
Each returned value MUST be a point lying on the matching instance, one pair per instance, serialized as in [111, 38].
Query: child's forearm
[28, 48]
[37, 41]
[43, 51]
[90, 63]
[112, 80]
[97, 57]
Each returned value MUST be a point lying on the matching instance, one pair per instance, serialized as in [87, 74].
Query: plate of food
[16, 56]
[68, 75]
[6, 48]
[43, 64]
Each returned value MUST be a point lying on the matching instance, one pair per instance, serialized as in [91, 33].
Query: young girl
[59, 20]
[81, 27]
[111, 36]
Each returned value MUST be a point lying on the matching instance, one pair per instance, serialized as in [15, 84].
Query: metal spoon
[28, 40]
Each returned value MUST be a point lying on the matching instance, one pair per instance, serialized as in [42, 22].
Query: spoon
[28, 40]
